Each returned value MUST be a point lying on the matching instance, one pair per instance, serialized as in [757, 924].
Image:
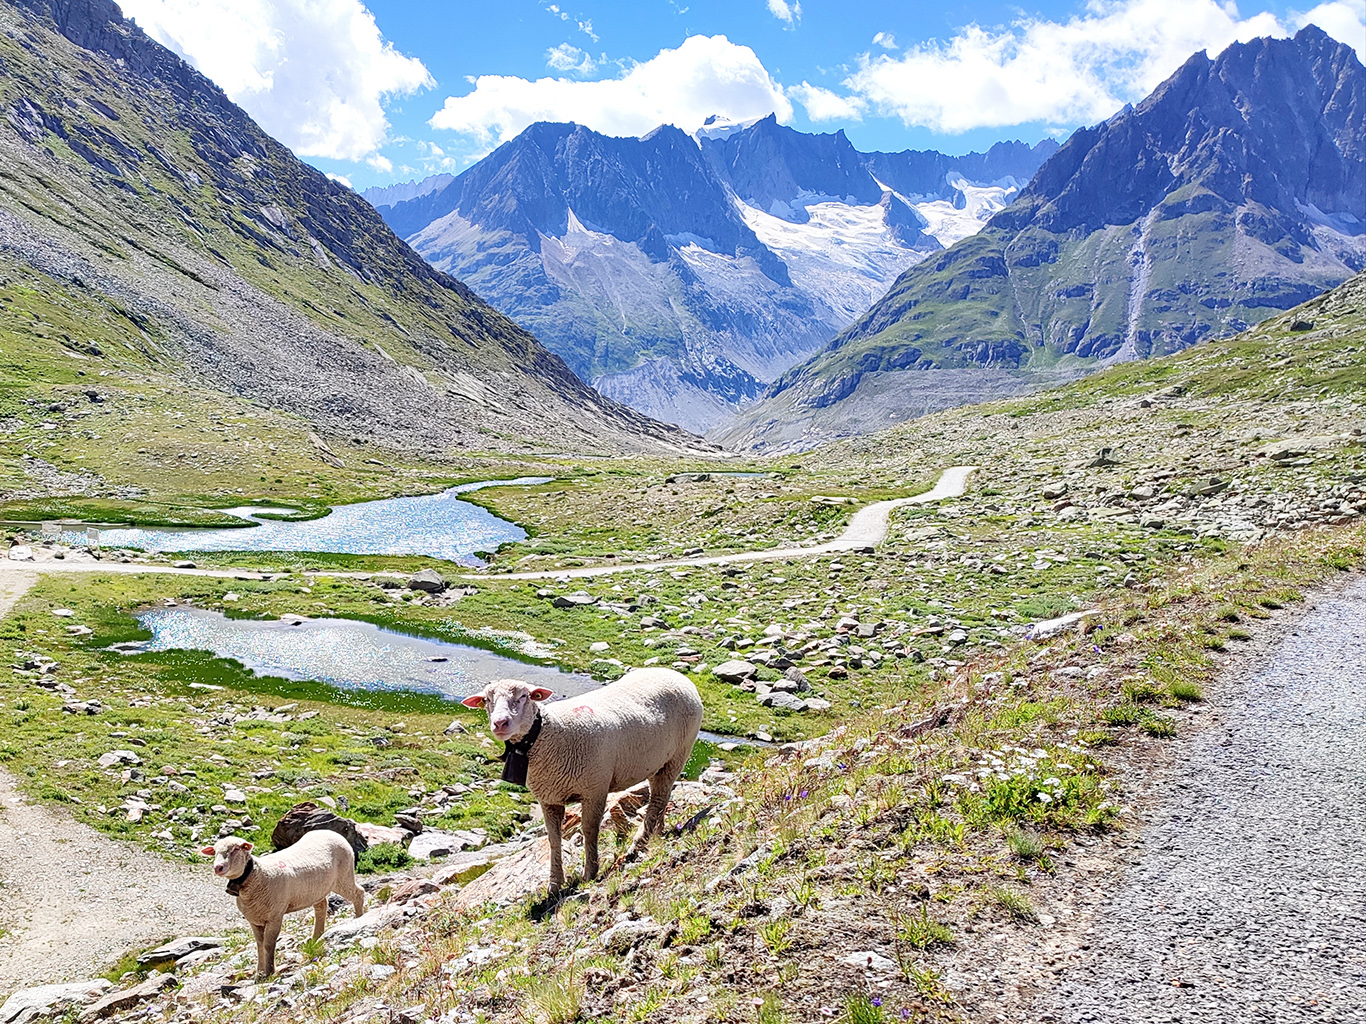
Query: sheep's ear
[208, 851]
[541, 693]
[474, 700]
[247, 847]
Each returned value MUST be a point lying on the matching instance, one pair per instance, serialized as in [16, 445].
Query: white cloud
[784, 11]
[823, 105]
[1344, 20]
[313, 73]
[885, 40]
[342, 179]
[380, 162]
[570, 58]
[1070, 72]
[705, 75]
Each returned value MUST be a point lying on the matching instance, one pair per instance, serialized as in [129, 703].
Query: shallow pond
[439, 525]
[346, 653]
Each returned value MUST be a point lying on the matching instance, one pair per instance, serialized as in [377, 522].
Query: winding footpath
[1248, 905]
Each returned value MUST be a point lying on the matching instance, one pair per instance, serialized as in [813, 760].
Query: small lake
[438, 525]
[346, 653]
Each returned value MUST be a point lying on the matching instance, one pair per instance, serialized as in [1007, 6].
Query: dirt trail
[73, 900]
[1248, 902]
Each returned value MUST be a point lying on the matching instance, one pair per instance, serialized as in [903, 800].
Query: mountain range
[681, 274]
[1237, 189]
[192, 251]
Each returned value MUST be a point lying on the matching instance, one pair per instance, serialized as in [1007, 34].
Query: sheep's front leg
[592, 808]
[259, 931]
[554, 828]
[270, 938]
[320, 917]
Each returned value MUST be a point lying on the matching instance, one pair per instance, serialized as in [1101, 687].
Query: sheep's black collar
[517, 752]
[235, 884]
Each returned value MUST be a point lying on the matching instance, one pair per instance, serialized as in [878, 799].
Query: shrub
[384, 857]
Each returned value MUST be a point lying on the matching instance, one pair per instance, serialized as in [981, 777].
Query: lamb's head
[230, 856]
[511, 706]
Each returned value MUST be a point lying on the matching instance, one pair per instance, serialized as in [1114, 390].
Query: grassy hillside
[966, 768]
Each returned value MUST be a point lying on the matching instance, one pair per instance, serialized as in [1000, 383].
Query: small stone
[599, 646]
[734, 671]
[114, 757]
[184, 564]
[578, 599]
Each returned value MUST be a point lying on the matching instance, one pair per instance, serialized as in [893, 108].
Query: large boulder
[117, 1002]
[428, 580]
[30, 1004]
[309, 817]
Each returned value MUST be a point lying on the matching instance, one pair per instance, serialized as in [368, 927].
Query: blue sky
[388, 90]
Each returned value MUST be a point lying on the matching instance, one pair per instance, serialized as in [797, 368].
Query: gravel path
[72, 901]
[1249, 904]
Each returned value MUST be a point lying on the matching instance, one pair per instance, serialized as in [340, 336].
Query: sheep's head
[511, 706]
[229, 855]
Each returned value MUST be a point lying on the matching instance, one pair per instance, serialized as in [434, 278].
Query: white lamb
[298, 877]
[641, 727]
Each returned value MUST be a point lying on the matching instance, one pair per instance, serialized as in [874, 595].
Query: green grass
[384, 858]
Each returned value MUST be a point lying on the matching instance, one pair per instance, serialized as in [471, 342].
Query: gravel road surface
[1249, 902]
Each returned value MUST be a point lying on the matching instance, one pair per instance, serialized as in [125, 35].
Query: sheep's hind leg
[661, 787]
[320, 917]
[357, 898]
[554, 827]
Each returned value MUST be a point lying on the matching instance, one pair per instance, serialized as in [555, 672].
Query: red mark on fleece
[584, 709]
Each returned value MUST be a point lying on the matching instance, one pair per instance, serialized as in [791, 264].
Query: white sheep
[641, 727]
[298, 877]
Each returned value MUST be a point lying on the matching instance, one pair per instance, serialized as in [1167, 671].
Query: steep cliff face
[682, 274]
[132, 183]
[1237, 189]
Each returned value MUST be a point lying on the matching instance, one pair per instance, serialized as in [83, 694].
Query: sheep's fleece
[296, 878]
[641, 727]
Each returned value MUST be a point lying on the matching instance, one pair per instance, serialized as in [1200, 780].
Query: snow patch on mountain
[966, 213]
[844, 256]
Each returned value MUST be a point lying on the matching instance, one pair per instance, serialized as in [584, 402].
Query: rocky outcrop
[309, 817]
[221, 261]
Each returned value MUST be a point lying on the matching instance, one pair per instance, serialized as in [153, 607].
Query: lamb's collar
[516, 753]
[235, 884]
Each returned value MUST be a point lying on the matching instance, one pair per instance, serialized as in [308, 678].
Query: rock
[436, 843]
[625, 936]
[830, 499]
[184, 563]
[578, 599]
[234, 796]
[410, 821]
[178, 950]
[597, 647]
[734, 671]
[412, 890]
[30, 1004]
[428, 580]
[378, 835]
[796, 675]
[784, 701]
[456, 728]
[21, 553]
[1052, 492]
[817, 704]
[114, 757]
[1104, 457]
[308, 817]
[370, 923]
[1052, 627]
[957, 636]
[870, 961]
[117, 1002]
[1301, 324]
[63, 613]
[688, 478]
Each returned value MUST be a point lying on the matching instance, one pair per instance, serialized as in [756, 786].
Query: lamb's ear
[208, 851]
[247, 847]
[541, 693]
[474, 700]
